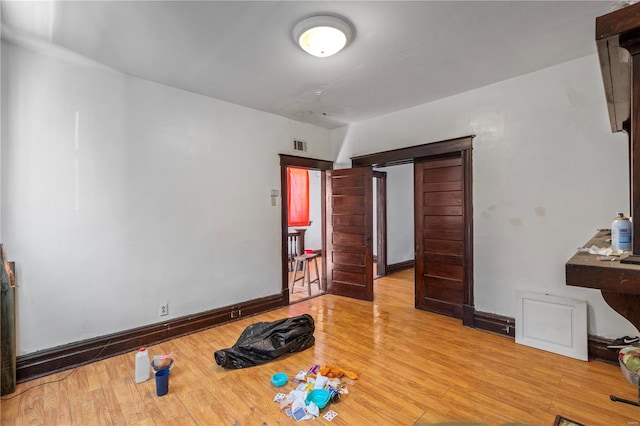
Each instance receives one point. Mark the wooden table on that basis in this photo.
(619, 283)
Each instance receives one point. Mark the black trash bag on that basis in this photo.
(265, 341)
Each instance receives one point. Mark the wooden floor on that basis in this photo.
(413, 366)
(301, 289)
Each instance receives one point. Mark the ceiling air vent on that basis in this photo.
(299, 146)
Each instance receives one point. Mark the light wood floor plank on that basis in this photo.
(413, 366)
(30, 409)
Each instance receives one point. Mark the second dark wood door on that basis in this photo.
(439, 227)
(348, 232)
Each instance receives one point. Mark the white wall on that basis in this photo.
(313, 236)
(547, 172)
(119, 194)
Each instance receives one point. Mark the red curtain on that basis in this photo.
(298, 196)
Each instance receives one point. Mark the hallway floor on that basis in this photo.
(301, 288)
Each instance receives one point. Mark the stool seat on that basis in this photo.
(306, 256)
(304, 260)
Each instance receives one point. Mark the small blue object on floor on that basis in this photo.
(320, 397)
(279, 379)
(162, 382)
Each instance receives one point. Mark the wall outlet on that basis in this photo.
(164, 309)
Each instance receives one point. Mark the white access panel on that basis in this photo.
(552, 323)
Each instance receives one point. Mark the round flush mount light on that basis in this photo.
(322, 35)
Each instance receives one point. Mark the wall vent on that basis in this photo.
(552, 323)
(299, 146)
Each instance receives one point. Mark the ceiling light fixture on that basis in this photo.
(322, 35)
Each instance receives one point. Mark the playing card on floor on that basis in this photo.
(330, 415)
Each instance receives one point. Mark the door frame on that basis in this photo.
(303, 163)
(380, 198)
(463, 145)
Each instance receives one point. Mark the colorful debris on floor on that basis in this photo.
(313, 390)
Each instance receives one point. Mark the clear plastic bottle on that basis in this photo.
(621, 233)
(142, 365)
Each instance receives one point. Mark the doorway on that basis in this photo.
(294, 241)
(443, 223)
(394, 205)
(380, 222)
(347, 208)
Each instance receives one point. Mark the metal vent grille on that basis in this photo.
(299, 146)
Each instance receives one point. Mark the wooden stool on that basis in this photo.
(304, 261)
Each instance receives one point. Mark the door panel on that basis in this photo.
(349, 204)
(442, 210)
(348, 220)
(440, 226)
(351, 183)
(444, 270)
(443, 162)
(448, 198)
(445, 258)
(439, 288)
(443, 246)
(349, 278)
(349, 232)
(348, 238)
(348, 258)
(443, 186)
(443, 174)
(445, 235)
(439, 223)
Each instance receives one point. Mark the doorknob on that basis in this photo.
(367, 240)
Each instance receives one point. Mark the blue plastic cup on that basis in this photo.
(162, 382)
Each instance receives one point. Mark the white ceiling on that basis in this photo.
(403, 53)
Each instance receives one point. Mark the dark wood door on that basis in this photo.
(349, 228)
(439, 229)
